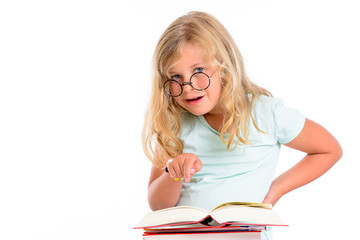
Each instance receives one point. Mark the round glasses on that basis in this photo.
(199, 81)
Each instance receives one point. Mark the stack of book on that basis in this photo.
(233, 220)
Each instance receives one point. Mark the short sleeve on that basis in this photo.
(288, 122)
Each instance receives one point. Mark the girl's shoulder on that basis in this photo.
(271, 114)
(266, 103)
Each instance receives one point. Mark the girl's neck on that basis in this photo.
(217, 116)
(216, 121)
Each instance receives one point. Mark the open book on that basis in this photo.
(227, 214)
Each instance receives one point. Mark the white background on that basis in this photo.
(75, 79)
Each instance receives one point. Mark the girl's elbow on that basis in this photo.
(153, 206)
(157, 205)
(339, 153)
(156, 202)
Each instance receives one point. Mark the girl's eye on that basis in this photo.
(175, 77)
(199, 69)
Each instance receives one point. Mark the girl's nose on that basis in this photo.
(187, 87)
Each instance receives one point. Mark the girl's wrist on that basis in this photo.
(274, 194)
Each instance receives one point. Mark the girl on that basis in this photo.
(209, 125)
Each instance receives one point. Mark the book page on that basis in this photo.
(247, 204)
(248, 215)
(172, 216)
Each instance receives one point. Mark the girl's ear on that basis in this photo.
(221, 75)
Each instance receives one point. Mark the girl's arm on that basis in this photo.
(163, 190)
(323, 151)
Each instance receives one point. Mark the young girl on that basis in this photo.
(217, 134)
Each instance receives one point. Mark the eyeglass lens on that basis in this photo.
(199, 81)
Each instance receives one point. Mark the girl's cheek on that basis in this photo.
(179, 102)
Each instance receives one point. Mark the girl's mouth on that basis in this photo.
(194, 101)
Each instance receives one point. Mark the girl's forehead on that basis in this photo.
(188, 56)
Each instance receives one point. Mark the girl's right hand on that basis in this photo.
(184, 166)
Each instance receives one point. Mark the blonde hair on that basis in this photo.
(163, 118)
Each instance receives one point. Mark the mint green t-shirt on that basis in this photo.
(244, 174)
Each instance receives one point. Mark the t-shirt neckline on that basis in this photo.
(206, 124)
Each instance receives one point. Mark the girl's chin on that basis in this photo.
(197, 112)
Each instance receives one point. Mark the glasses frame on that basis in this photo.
(186, 83)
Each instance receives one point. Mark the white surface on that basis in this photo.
(74, 84)
(210, 236)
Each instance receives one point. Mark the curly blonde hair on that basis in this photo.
(163, 117)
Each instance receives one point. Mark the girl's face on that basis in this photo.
(204, 102)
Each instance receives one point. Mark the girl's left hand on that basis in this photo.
(272, 196)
